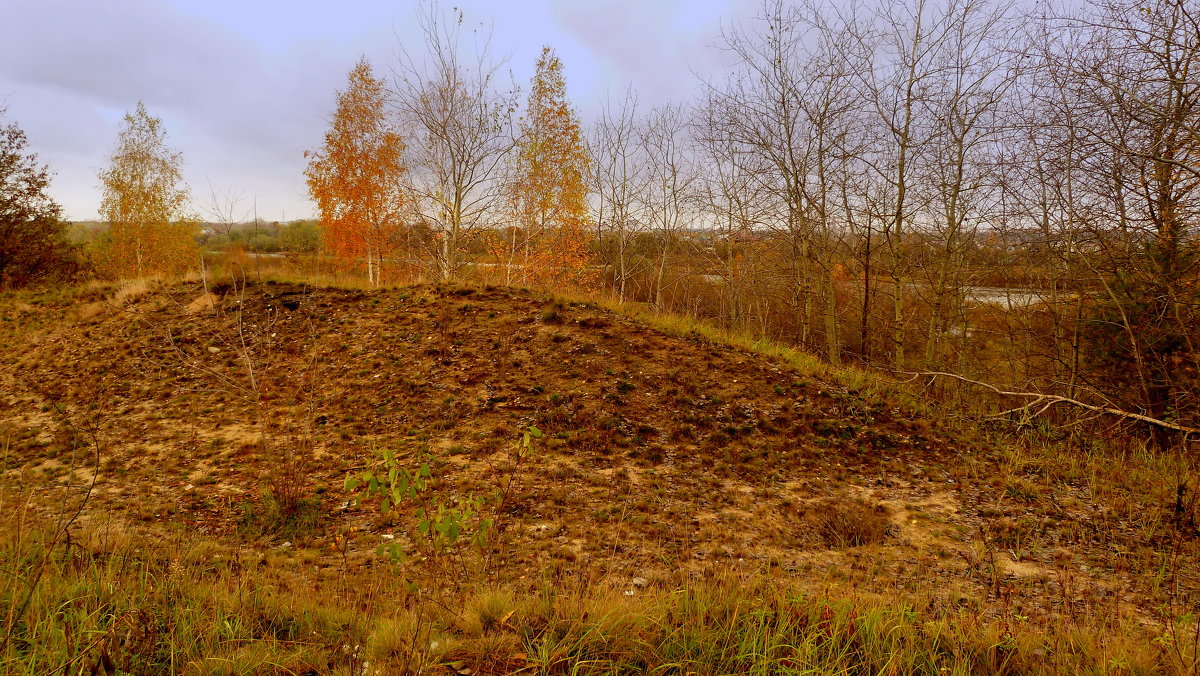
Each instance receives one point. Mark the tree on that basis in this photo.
(1136, 98)
(549, 190)
(899, 89)
(460, 126)
(144, 202)
(735, 203)
(357, 177)
(787, 110)
(620, 180)
(671, 175)
(966, 132)
(32, 243)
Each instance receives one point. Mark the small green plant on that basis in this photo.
(265, 517)
(440, 524)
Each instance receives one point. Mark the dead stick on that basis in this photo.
(1056, 399)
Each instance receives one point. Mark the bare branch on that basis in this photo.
(1039, 397)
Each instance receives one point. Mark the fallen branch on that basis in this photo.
(1051, 399)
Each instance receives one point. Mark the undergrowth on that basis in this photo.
(180, 603)
(190, 606)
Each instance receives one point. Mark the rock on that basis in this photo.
(640, 582)
(214, 350)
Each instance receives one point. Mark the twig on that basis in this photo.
(1050, 399)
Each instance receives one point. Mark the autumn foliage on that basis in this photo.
(356, 177)
(145, 202)
(549, 190)
(33, 244)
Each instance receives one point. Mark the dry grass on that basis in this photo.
(877, 533)
(174, 605)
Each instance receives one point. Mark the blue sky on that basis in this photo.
(245, 86)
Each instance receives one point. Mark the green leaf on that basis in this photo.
(352, 483)
(396, 552)
(385, 505)
(388, 456)
(537, 434)
(425, 473)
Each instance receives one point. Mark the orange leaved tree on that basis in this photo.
(549, 189)
(356, 178)
(144, 202)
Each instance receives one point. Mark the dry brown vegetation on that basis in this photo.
(669, 459)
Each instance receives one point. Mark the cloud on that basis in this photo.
(119, 51)
(653, 45)
(244, 87)
(239, 112)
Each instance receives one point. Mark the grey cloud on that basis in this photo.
(120, 51)
(240, 115)
(648, 44)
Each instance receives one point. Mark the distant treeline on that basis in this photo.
(302, 236)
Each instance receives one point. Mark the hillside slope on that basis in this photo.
(663, 457)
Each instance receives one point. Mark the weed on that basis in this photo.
(844, 523)
(267, 518)
(553, 313)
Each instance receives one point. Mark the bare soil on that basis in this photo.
(663, 457)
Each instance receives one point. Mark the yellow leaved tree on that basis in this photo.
(144, 202)
(356, 178)
(552, 245)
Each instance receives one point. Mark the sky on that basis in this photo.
(245, 86)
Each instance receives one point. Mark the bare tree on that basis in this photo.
(763, 112)
(459, 122)
(619, 179)
(224, 209)
(670, 175)
(734, 205)
(974, 71)
(1131, 72)
(903, 40)
(789, 107)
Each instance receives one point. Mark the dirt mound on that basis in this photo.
(658, 452)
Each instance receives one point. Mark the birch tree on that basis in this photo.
(144, 201)
(357, 177)
(619, 179)
(549, 190)
(459, 123)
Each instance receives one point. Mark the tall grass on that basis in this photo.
(193, 607)
(174, 603)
